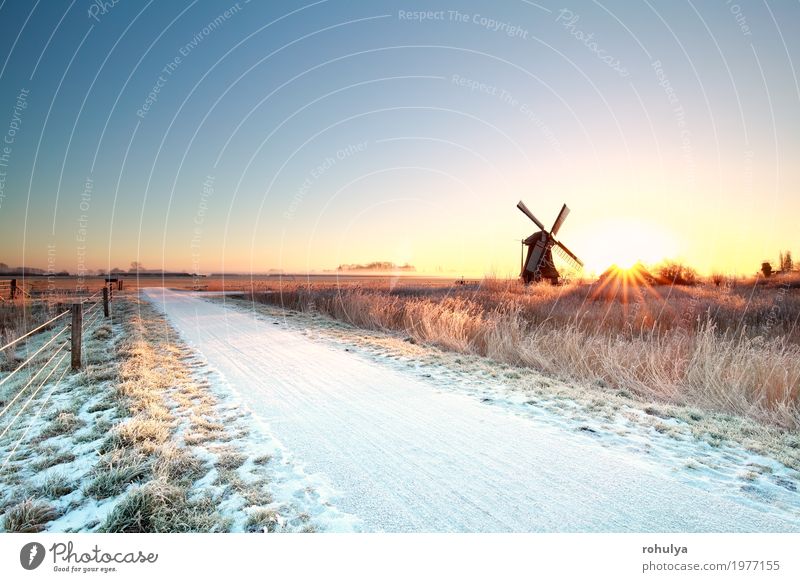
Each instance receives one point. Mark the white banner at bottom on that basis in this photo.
(412, 557)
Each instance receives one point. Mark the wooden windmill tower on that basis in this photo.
(538, 263)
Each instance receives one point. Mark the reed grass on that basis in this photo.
(732, 348)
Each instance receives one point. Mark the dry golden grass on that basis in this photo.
(733, 348)
(142, 431)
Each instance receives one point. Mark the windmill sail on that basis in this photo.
(562, 216)
(569, 253)
(566, 260)
(529, 214)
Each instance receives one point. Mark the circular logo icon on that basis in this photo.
(31, 555)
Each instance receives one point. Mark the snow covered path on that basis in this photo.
(404, 456)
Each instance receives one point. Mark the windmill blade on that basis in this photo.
(570, 253)
(562, 216)
(529, 214)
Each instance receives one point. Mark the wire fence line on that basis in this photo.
(31, 397)
(93, 319)
(34, 330)
(92, 308)
(50, 322)
(47, 368)
(35, 417)
(36, 353)
(30, 381)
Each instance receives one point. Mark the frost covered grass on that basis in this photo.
(140, 461)
(64, 422)
(732, 349)
(28, 516)
(178, 460)
(160, 506)
(262, 519)
(136, 441)
(115, 471)
(48, 452)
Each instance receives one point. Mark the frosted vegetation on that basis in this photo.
(144, 438)
(732, 348)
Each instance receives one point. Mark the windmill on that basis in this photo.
(539, 264)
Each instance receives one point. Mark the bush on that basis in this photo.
(675, 273)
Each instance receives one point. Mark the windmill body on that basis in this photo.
(538, 264)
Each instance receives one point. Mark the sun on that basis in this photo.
(626, 263)
(624, 243)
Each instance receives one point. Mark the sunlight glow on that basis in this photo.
(624, 243)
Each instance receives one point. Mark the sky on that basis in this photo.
(249, 136)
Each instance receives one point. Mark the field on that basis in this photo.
(733, 348)
(730, 347)
(691, 391)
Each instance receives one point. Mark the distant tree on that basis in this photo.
(689, 276)
(766, 269)
(786, 262)
(116, 271)
(136, 266)
(3, 267)
(676, 273)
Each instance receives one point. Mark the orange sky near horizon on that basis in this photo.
(347, 134)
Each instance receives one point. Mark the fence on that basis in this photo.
(9, 290)
(46, 360)
(37, 287)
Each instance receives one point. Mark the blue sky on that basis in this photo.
(301, 135)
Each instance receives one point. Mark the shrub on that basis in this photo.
(675, 273)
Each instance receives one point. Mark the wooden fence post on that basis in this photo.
(77, 325)
(105, 301)
(13, 289)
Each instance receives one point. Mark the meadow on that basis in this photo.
(727, 345)
(140, 429)
(732, 347)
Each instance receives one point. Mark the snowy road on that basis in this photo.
(404, 456)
